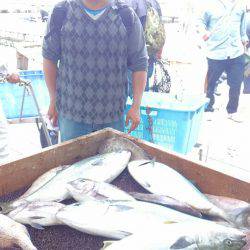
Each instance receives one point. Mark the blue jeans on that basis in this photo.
(235, 76)
(246, 89)
(70, 129)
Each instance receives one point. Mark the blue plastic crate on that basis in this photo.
(170, 123)
(11, 96)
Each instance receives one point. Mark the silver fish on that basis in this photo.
(82, 189)
(119, 143)
(166, 201)
(118, 219)
(182, 236)
(37, 213)
(12, 233)
(238, 210)
(160, 179)
(52, 185)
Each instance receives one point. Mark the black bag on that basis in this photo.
(162, 79)
(54, 135)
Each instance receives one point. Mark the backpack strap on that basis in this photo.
(60, 11)
(57, 18)
(127, 15)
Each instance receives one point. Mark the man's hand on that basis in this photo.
(13, 78)
(246, 45)
(52, 114)
(134, 117)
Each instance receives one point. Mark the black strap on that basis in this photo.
(60, 12)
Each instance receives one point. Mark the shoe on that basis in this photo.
(209, 109)
(235, 117)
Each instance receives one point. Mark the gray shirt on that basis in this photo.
(94, 56)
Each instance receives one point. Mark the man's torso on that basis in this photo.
(92, 82)
(225, 20)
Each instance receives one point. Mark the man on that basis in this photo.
(13, 78)
(222, 26)
(96, 45)
(141, 9)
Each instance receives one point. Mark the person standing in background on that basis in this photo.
(222, 25)
(87, 52)
(141, 9)
(13, 78)
(246, 89)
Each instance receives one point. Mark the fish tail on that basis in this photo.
(106, 244)
(222, 214)
(241, 217)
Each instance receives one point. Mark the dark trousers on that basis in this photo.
(235, 76)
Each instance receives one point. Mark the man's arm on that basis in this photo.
(138, 64)
(243, 29)
(50, 72)
(202, 23)
(51, 55)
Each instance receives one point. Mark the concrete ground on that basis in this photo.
(223, 144)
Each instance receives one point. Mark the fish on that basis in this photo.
(166, 201)
(160, 179)
(119, 143)
(13, 234)
(82, 189)
(118, 219)
(179, 236)
(37, 213)
(238, 210)
(52, 185)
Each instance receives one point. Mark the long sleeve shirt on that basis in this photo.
(226, 20)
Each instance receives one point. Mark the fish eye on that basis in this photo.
(228, 242)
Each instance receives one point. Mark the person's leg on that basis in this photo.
(235, 73)
(215, 70)
(71, 129)
(151, 67)
(246, 89)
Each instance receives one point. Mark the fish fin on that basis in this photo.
(37, 226)
(101, 196)
(121, 208)
(107, 244)
(36, 217)
(98, 162)
(169, 222)
(182, 242)
(124, 233)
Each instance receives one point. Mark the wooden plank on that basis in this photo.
(207, 179)
(21, 173)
